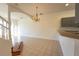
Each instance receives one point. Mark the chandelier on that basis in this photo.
(36, 16)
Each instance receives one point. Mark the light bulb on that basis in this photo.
(67, 4)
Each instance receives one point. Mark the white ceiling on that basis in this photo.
(44, 8)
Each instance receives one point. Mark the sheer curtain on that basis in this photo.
(15, 32)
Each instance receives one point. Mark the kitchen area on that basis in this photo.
(69, 29)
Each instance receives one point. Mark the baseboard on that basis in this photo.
(24, 37)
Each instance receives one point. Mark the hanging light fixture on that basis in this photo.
(36, 16)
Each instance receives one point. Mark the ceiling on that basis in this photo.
(44, 8)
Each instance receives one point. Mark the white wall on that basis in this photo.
(45, 28)
(4, 10)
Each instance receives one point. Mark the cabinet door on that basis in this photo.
(76, 49)
(67, 45)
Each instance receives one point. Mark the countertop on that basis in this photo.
(71, 34)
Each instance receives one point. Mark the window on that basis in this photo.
(4, 28)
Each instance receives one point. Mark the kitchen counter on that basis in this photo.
(71, 34)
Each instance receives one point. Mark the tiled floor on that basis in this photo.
(41, 47)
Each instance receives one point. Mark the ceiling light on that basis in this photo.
(36, 16)
(67, 4)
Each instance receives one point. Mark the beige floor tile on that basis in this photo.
(41, 47)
